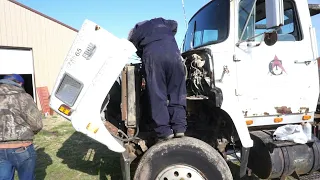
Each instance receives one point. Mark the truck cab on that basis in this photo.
(250, 67)
(266, 80)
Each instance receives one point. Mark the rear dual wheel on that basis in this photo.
(182, 158)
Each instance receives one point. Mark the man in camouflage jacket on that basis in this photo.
(20, 120)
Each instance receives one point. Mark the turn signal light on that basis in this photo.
(306, 117)
(278, 120)
(92, 128)
(249, 122)
(65, 110)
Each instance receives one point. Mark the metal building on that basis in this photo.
(32, 44)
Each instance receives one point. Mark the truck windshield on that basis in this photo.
(257, 22)
(210, 25)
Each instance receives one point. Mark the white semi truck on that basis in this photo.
(250, 68)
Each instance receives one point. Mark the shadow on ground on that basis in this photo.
(83, 154)
(43, 161)
(235, 170)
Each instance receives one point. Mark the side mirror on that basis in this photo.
(274, 13)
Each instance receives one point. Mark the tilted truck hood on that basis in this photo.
(92, 65)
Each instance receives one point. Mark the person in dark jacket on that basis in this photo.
(20, 120)
(165, 76)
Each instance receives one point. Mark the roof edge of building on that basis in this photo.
(43, 15)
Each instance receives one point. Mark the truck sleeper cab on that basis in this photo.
(246, 73)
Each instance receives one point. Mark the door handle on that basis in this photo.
(303, 62)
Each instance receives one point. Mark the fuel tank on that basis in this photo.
(273, 159)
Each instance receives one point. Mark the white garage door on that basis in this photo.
(19, 61)
(16, 61)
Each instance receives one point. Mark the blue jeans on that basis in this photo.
(21, 159)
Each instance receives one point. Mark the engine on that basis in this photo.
(197, 76)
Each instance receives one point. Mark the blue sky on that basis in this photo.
(116, 16)
(119, 16)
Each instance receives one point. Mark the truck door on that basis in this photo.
(277, 79)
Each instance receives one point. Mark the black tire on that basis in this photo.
(183, 151)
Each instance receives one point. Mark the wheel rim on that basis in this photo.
(180, 172)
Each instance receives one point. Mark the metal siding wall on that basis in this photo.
(49, 40)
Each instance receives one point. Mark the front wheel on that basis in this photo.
(182, 158)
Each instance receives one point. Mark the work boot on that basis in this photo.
(161, 139)
(178, 135)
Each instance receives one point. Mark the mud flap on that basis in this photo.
(244, 161)
(125, 166)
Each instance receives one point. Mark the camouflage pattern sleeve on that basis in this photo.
(31, 112)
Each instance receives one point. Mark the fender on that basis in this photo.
(231, 106)
(228, 102)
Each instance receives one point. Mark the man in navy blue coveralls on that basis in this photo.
(165, 76)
